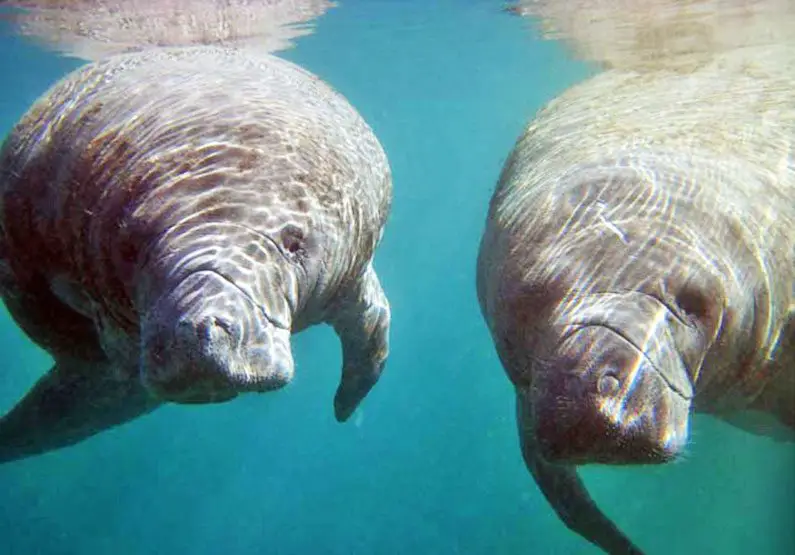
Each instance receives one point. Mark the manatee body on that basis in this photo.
(168, 219)
(637, 265)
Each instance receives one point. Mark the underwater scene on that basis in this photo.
(385, 277)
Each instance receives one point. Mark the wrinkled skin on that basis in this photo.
(169, 219)
(639, 267)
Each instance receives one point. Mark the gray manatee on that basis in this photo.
(168, 218)
(637, 265)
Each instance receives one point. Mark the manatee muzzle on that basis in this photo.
(207, 341)
(616, 390)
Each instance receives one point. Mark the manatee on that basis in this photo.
(637, 262)
(89, 30)
(168, 219)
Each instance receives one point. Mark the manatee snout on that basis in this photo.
(206, 341)
(611, 395)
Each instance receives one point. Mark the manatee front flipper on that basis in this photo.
(565, 491)
(73, 401)
(361, 321)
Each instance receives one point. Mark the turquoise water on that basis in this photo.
(431, 463)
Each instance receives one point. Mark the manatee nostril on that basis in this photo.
(207, 328)
(608, 384)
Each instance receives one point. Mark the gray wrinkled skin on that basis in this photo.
(637, 265)
(169, 219)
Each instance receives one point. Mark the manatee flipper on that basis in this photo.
(73, 401)
(565, 491)
(362, 324)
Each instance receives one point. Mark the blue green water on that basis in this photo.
(431, 463)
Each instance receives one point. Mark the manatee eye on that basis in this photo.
(224, 324)
(694, 303)
(293, 239)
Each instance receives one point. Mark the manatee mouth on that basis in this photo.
(606, 398)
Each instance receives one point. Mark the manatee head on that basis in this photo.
(608, 325)
(218, 320)
(615, 388)
(611, 372)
